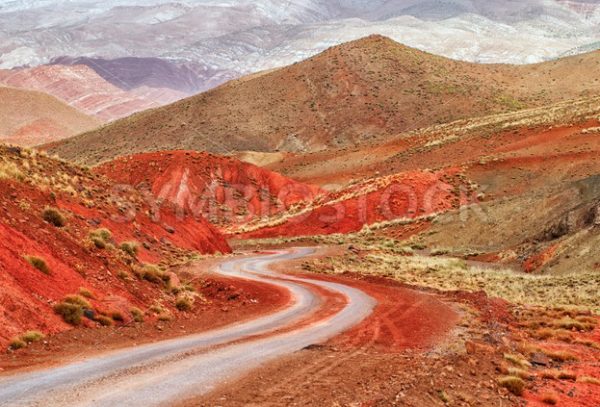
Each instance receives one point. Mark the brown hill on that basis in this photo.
(65, 231)
(349, 95)
(30, 118)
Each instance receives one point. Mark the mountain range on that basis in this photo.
(242, 37)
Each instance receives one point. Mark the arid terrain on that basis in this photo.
(372, 226)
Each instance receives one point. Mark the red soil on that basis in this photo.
(571, 393)
(223, 189)
(229, 301)
(538, 260)
(74, 262)
(403, 318)
(404, 195)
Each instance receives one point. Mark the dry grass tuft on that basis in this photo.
(72, 308)
(518, 360)
(514, 384)
(588, 380)
(137, 314)
(131, 248)
(38, 263)
(549, 398)
(54, 217)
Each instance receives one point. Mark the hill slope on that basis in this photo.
(29, 118)
(85, 90)
(347, 96)
(222, 189)
(62, 231)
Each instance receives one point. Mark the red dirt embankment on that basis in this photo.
(30, 183)
(223, 189)
(405, 195)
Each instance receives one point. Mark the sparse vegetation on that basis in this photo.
(152, 273)
(514, 384)
(549, 398)
(589, 380)
(451, 274)
(84, 292)
(17, 344)
(72, 308)
(131, 248)
(104, 320)
(101, 238)
(32, 336)
(117, 316)
(518, 360)
(54, 217)
(38, 263)
(137, 314)
(184, 302)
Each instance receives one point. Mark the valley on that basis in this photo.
(373, 224)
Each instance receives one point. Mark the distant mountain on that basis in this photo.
(30, 118)
(82, 88)
(210, 41)
(350, 95)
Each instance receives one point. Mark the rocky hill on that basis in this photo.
(348, 96)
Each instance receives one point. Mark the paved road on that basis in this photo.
(161, 373)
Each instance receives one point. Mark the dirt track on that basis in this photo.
(160, 373)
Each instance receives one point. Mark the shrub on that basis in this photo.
(565, 375)
(137, 314)
(514, 384)
(589, 380)
(84, 292)
(550, 374)
(131, 248)
(550, 399)
(117, 316)
(54, 217)
(517, 360)
(104, 320)
(123, 275)
(184, 302)
(151, 273)
(164, 317)
(101, 237)
(523, 374)
(16, 344)
(561, 356)
(32, 336)
(71, 309)
(38, 263)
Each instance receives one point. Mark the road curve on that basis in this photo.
(161, 373)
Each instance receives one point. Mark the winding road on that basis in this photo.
(165, 372)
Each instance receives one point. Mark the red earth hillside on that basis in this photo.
(393, 198)
(62, 231)
(223, 189)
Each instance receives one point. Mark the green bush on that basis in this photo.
(54, 217)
